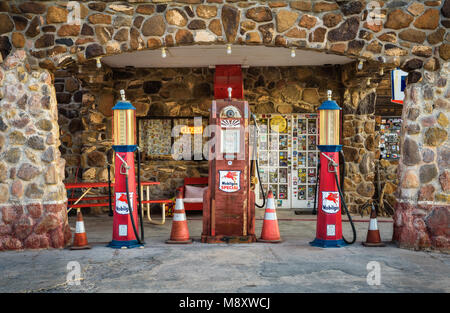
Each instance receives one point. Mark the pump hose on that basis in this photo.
(141, 218)
(257, 168)
(345, 207)
(130, 211)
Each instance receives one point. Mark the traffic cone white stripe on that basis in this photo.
(79, 227)
(373, 225)
(270, 203)
(270, 216)
(178, 217)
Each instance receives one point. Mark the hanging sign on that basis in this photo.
(229, 181)
(398, 84)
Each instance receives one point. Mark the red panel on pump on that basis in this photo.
(228, 76)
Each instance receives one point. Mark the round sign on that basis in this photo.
(278, 124)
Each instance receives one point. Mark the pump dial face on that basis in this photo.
(230, 111)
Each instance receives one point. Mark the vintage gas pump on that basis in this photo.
(229, 202)
(329, 222)
(125, 232)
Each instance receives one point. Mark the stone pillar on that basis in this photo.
(32, 194)
(359, 140)
(422, 214)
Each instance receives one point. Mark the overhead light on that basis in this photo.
(292, 53)
(229, 49)
(368, 81)
(163, 53)
(360, 65)
(381, 71)
(99, 63)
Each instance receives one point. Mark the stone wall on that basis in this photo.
(32, 196)
(69, 96)
(423, 213)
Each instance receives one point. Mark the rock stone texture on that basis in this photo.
(423, 210)
(32, 207)
(107, 27)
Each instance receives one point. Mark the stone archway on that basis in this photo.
(40, 37)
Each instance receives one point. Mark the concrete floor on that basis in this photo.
(292, 266)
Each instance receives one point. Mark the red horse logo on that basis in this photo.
(332, 197)
(123, 198)
(231, 175)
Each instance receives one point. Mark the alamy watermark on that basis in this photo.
(73, 277)
(373, 278)
(374, 17)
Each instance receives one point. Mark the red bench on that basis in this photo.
(197, 182)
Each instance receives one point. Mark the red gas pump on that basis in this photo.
(329, 222)
(229, 202)
(125, 232)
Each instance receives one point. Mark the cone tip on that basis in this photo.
(270, 194)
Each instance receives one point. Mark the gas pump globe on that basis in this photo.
(124, 122)
(329, 122)
(125, 232)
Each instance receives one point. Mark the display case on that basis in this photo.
(287, 155)
(389, 128)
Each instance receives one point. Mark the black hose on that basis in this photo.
(316, 191)
(111, 213)
(257, 168)
(346, 211)
(261, 188)
(130, 211)
(141, 219)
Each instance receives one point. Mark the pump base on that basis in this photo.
(327, 243)
(228, 239)
(129, 244)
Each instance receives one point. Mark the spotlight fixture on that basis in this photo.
(163, 53)
(229, 49)
(360, 65)
(381, 71)
(292, 53)
(99, 63)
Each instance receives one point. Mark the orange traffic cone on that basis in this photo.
(80, 239)
(270, 231)
(180, 231)
(373, 234)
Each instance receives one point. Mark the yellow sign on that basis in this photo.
(278, 124)
(192, 130)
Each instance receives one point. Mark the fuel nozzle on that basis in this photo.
(229, 92)
(122, 95)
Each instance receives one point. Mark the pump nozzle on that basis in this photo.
(229, 92)
(122, 94)
(329, 93)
